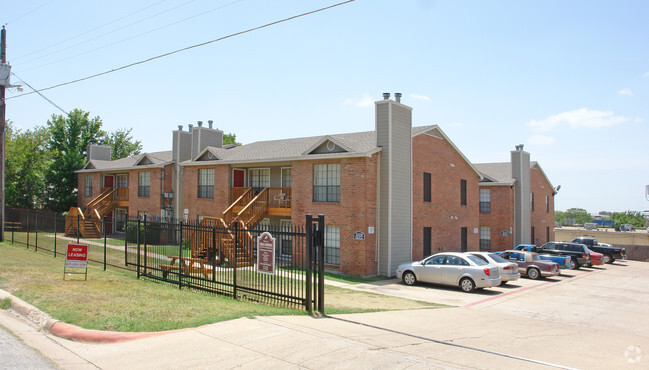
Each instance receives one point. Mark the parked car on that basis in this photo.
(610, 252)
(562, 261)
(451, 268)
(531, 264)
(595, 258)
(578, 253)
(508, 270)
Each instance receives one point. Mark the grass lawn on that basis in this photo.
(116, 300)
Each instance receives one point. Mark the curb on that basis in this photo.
(43, 321)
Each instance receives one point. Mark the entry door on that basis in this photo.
(427, 237)
(463, 239)
(238, 178)
(285, 241)
(109, 181)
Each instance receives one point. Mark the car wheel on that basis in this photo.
(608, 258)
(503, 282)
(409, 278)
(533, 273)
(588, 265)
(467, 285)
(573, 264)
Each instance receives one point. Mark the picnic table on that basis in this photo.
(189, 265)
(13, 226)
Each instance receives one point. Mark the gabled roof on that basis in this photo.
(155, 159)
(500, 173)
(437, 132)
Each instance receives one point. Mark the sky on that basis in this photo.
(568, 79)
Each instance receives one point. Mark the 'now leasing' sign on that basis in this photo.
(76, 256)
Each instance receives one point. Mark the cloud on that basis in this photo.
(540, 140)
(363, 102)
(580, 118)
(419, 97)
(626, 91)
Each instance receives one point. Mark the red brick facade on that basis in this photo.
(542, 216)
(500, 218)
(206, 206)
(443, 214)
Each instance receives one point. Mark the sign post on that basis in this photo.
(266, 253)
(76, 256)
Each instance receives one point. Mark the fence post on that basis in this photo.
(103, 227)
(126, 241)
(137, 238)
(36, 231)
(78, 227)
(307, 276)
(321, 255)
(180, 254)
(234, 271)
(54, 234)
(29, 214)
(214, 253)
(145, 249)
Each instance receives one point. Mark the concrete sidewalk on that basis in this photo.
(441, 338)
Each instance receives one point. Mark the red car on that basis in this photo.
(595, 258)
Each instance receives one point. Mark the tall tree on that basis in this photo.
(27, 160)
(70, 136)
(122, 144)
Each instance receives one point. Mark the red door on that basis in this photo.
(238, 178)
(108, 181)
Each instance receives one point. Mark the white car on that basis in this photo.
(508, 270)
(450, 268)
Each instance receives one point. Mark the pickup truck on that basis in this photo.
(562, 261)
(610, 252)
(578, 253)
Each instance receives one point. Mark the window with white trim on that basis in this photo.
(485, 238)
(143, 184)
(326, 182)
(485, 200)
(259, 178)
(332, 245)
(206, 183)
(88, 186)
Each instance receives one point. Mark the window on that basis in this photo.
(426, 187)
(427, 239)
(532, 241)
(259, 179)
(485, 200)
(143, 184)
(547, 204)
(122, 181)
(142, 214)
(286, 177)
(88, 186)
(532, 203)
(206, 183)
(326, 183)
(463, 192)
(120, 219)
(485, 238)
(463, 239)
(332, 245)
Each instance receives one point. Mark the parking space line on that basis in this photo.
(505, 294)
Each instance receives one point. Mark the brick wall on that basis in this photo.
(82, 200)
(443, 214)
(153, 202)
(500, 218)
(356, 210)
(207, 206)
(540, 218)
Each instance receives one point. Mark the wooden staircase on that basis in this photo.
(89, 222)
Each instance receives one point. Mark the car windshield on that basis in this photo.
(496, 257)
(476, 260)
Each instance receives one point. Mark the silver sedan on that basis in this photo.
(450, 268)
(508, 270)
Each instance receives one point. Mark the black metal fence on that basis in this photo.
(204, 255)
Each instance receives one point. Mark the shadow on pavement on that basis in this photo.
(486, 292)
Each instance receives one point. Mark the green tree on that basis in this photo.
(230, 139)
(27, 159)
(634, 218)
(69, 138)
(580, 215)
(122, 144)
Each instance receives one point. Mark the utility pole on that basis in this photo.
(3, 59)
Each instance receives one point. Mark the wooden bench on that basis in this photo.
(189, 266)
(13, 226)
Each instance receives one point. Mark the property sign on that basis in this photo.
(76, 256)
(359, 235)
(266, 253)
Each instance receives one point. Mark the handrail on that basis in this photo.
(241, 200)
(101, 197)
(257, 206)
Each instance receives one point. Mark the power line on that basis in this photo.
(42, 96)
(91, 30)
(129, 38)
(29, 12)
(188, 48)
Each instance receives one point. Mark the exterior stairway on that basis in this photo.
(88, 223)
